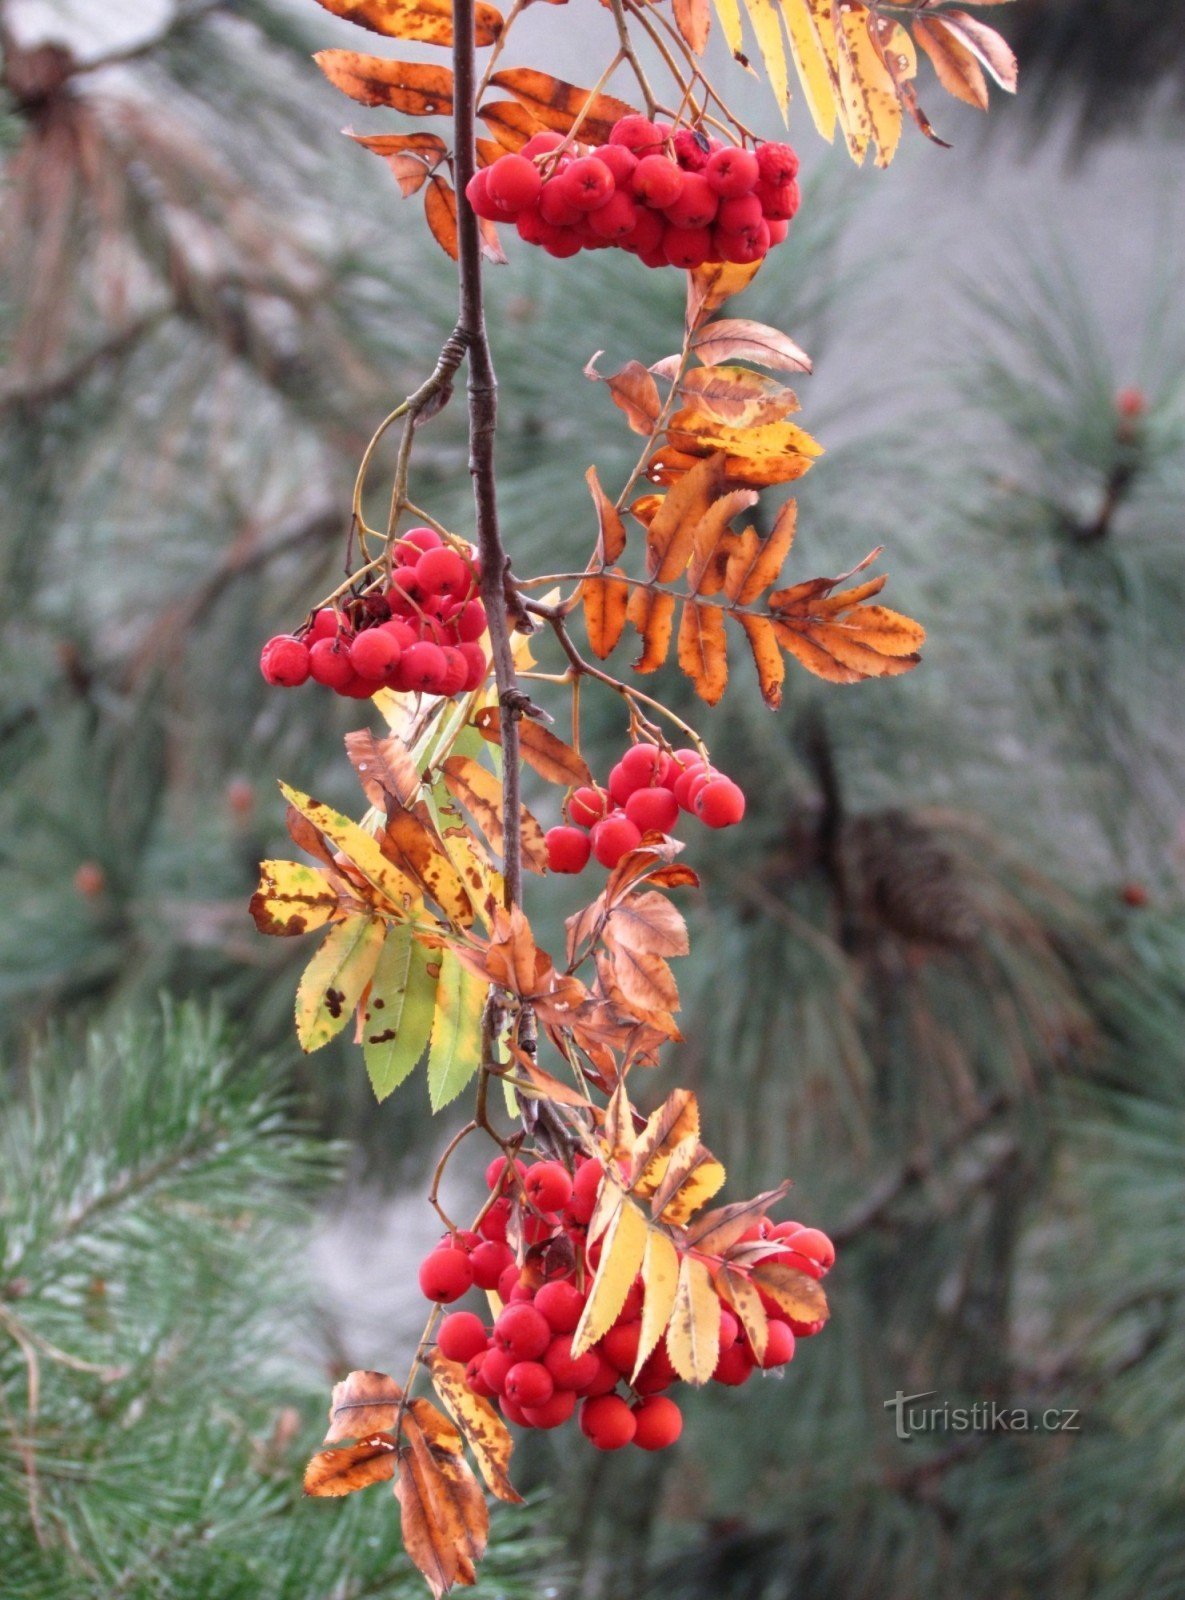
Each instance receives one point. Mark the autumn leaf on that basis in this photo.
(634, 392)
(418, 850)
(986, 44)
(610, 527)
(767, 657)
(445, 1519)
(739, 339)
(870, 106)
(660, 1278)
(385, 769)
(556, 104)
(511, 124)
(623, 1246)
(670, 537)
(332, 1473)
(429, 21)
(454, 1050)
(392, 891)
(334, 979)
(652, 612)
(708, 287)
(543, 750)
(737, 396)
(292, 899)
(763, 14)
(714, 1232)
(729, 12)
(416, 88)
(693, 18)
(813, 49)
(956, 65)
(397, 1011)
(703, 650)
(714, 540)
(693, 1337)
(737, 1290)
(756, 458)
(484, 1431)
(648, 921)
(605, 598)
(362, 1404)
(477, 789)
(440, 209)
(800, 1296)
(756, 563)
(691, 1179)
(410, 156)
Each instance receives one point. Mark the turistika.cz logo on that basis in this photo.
(982, 1416)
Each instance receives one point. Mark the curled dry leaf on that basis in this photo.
(955, 64)
(410, 156)
(708, 287)
(739, 339)
(610, 527)
(634, 391)
(445, 1518)
(333, 1473)
(292, 899)
(362, 1404)
(652, 612)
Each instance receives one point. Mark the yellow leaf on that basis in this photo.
(737, 1291)
(870, 107)
(397, 1012)
(692, 1178)
(763, 14)
(737, 395)
(394, 893)
(815, 62)
(428, 21)
(623, 1245)
(709, 286)
(292, 899)
(693, 1337)
(454, 1050)
(660, 1274)
(480, 792)
(419, 851)
(729, 12)
(757, 458)
(485, 1432)
(334, 979)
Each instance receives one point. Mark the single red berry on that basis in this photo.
(637, 133)
(324, 625)
(696, 206)
(621, 161)
(732, 172)
(656, 1374)
(500, 1173)
(1131, 404)
(458, 670)
(375, 653)
(553, 1413)
(461, 1336)
(443, 571)
(642, 764)
(568, 849)
(474, 1379)
(735, 1366)
(556, 209)
(284, 661)
(479, 665)
(446, 1275)
(720, 803)
(778, 229)
(513, 182)
(780, 202)
(569, 1371)
(658, 1422)
(542, 144)
(655, 809)
(406, 591)
(477, 192)
(415, 541)
(495, 1365)
(585, 1186)
(587, 183)
(692, 149)
(621, 785)
(742, 248)
(607, 1421)
(522, 1332)
(561, 1303)
(528, 1383)
(779, 1345)
(508, 1280)
(686, 248)
(512, 1412)
(471, 622)
(815, 1245)
(615, 219)
(493, 1224)
(657, 182)
(806, 1330)
(489, 1261)
(742, 215)
(777, 163)
(587, 806)
(620, 1345)
(606, 1380)
(329, 663)
(615, 837)
(423, 667)
(548, 1183)
(646, 236)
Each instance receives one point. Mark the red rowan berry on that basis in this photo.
(489, 1261)
(568, 849)
(474, 1379)
(778, 202)
(471, 622)
(720, 803)
(561, 1303)
(615, 837)
(417, 540)
(528, 1383)
(620, 1345)
(657, 182)
(461, 1336)
(444, 572)
(735, 1366)
(556, 209)
(657, 1372)
(522, 1331)
(329, 663)
(587, 183)
(565, 242)
(779, 1345)
(642, 764)
(742, 248)
(607, 1421)
(479, 665)
(477, 192)
(777, 163)
(732, 172)
(374, 653)
(569, 1371)
(423, 667)
(621, 161)
(512, 1412)
(692, 149)
(686, 247)
(445, 1275)
(548, 1183)
(507, 1280)
(458, 670)
(683, 783)
(652, 809)
(584, 1192)
(742, 215)
(730, 1329)
(647, 234)
(323, 626)
(406, 590)
(587, 806)
(495, 1365)
(631, 1308)
(696, 206)
(500, 1173)
(542, 144)
(493, 1224)
(778, 229)
(814, 1245)
(637, 133)
(606, 1380)
(513, 182)
(284, 661)
(553, 1413)
(658, 1422)
(615, 219)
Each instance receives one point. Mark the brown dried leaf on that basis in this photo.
(634, 391)
(551, 758)
(440, 208)
(511, 124)
(385, 769)
(671, 535)
(557, 104)
(652, 612)
(414, 87)
(645, 979)
(417, 849)
(958, 71)
(767, 657)
(993, 51)
(703, 650)
(484, 1430)
(410, 156)
(693, 18)
(611, 529)
(757, 562)
(716, 1230)
(708, 287)
(445, 1519)
(480, 792)
(362, 1404)
(648, 922)
(796, 1293)
(714, 540)
(738, 396)
(739, 339)
(605, 598)
(333, 1473)
(737, 1290)
(429, 21)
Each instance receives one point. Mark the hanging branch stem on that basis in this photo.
(483, 414)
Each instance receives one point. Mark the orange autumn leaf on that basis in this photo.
(511, 124)
(757, 458)
(333, 1473)
(362, 1404)
(703, 650)
(738, 339)
(693, 18)
(416, 88)
(445, 1518)
(671, 534)
(557, 104)
(543, 750)
(410, 156)
(428, 21)
(605, 598)
(756, 563)
(708, 287)
(610, 527)
(767, 657)
(737, 396)
(485, 1432)
(652, 612)
(956, 66)
(634, 392)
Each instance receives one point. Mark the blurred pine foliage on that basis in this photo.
(938, 975)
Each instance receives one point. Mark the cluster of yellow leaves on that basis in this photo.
(658, 1176)
(856, 67)
(727, 437)
(444, 1512)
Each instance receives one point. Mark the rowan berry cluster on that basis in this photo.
(524, 1360)
(647, 789)
(672, 198)
(420, 633)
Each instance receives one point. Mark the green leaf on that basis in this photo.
(455, 1050)
(397, 1017)
(334, 979)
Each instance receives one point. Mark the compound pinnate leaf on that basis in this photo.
(292, 899)
(454, 1049)
(397, 1011)
(416, 88)
(332, 983)
(484, 1431)
(427, 21)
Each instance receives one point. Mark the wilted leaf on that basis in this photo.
(715, 1231)
(410, 156)
(550, 757)
(332, 1473)
(623, 1246)
(334, 979)
(511, 124)
(362, 1404)
(445, 1518)
(397, 1012)
(557, 104)
(611, 529)
(693, 18)
(605, 598)
(429, 21)
(693, 1337)
(644, 978)
(413, 87)
(454, 1050)
(480, 792)
(385, 769)
(292, 899)
(418, 850)
(652, 612)
(739, 339)
(703, 650)
(957, 68)
(800, 1296)
(648, 921)
(440, 208)
(634, 391)
(670, 537)
(660, 1275)
(485, 1432)
(767, 657)
(391, 888)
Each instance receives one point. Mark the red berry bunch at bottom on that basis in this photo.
(421, 633)
(647, 790)
(673, 199)
(524, 1360)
